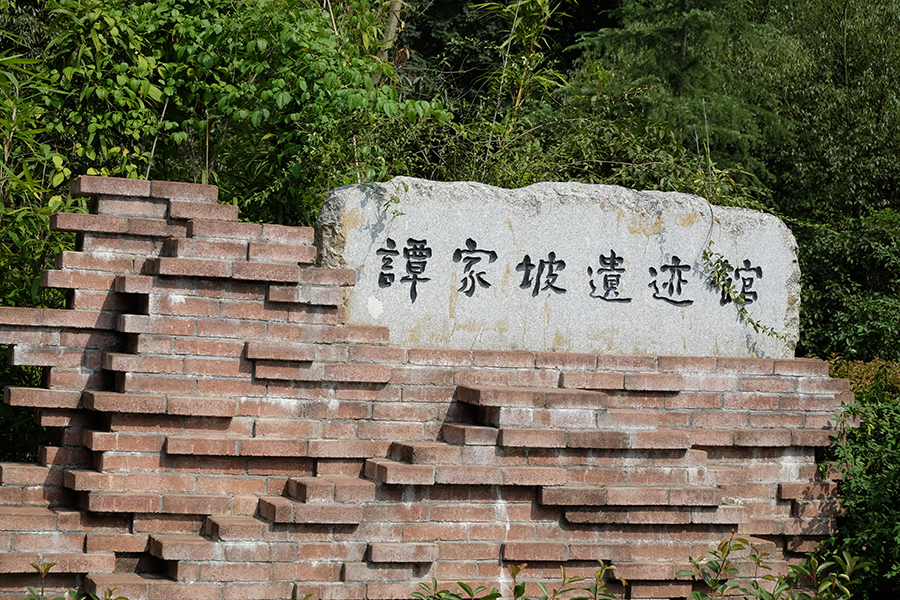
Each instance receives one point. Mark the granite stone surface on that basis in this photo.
(562, 267)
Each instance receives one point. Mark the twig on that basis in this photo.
(156, 137)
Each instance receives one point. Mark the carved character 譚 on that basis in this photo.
(385, 277)
(546, 269)
(416, 254)
(470, 258)
(672, 288)
(611, 279)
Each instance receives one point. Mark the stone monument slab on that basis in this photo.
(562, 267)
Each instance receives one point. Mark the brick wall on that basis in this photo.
(223, 435)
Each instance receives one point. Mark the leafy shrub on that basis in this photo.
(868, 458)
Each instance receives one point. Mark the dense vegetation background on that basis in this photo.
(787, 107)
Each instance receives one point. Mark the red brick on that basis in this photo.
(248, 271)
(134, 503)
(93, 185)
(282, 234)
(807, 490)
(20, 316)
(204, 347)
(762, 437)
(745, 366)
(352, 489)
(565, 361)
(812, 437)
(97, 541)
(40, 398)
(766, 420)
(377, 354)
(93, 223)
(801, 366)
(327, 276)
(469, 435)
(273, 447)
(83, 480)
(686, 364)
(357, 373)
(199, 228)
(204, 446)
(593, 381)
(599, 439)
(360, 334)
(29, 474)
(87, 261)
(662, 439)
(156, 325)
(196, 504)
(816, 385)
(638, 496)
(230, 328)
(768, 384)
(45, 356)
(286, 253)
(191, 267)
(156, 228)
(534, 476)
(573, 496)
(202, 210)
(425, 453)
(388, 471)
(200, 406)
(134, 284)
(281, 351)
(512, 437)
(467, 475)
(198, 192)
(653, 382)
(159, 482)
(406, 552)
(535, 551)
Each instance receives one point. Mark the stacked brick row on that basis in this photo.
(224, 435)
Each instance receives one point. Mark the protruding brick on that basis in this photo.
(294, 351)
(190, 267)
(807, 490)
(593, 381)
(654, 382)
(202, 210)
(93, 185)
(534, 476)
(196, 192)
(224, 229)
(134, 284)
(469, 435)
(126, 403)
(40, 398)
(92, 223)
(258, 271)
(389, 471)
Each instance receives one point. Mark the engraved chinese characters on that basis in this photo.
(561, 267)
(672, 282)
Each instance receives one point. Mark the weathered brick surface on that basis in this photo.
(217, 414)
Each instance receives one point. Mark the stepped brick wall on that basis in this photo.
(223, 435)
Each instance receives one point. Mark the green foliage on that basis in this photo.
(44, 569)
(868, 458)
(594, 589)
(813, 580)
(719, 271)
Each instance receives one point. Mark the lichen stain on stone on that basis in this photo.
(454, 295)
(686, 220)
(560, 342)
(352, 219)
(639, 226)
